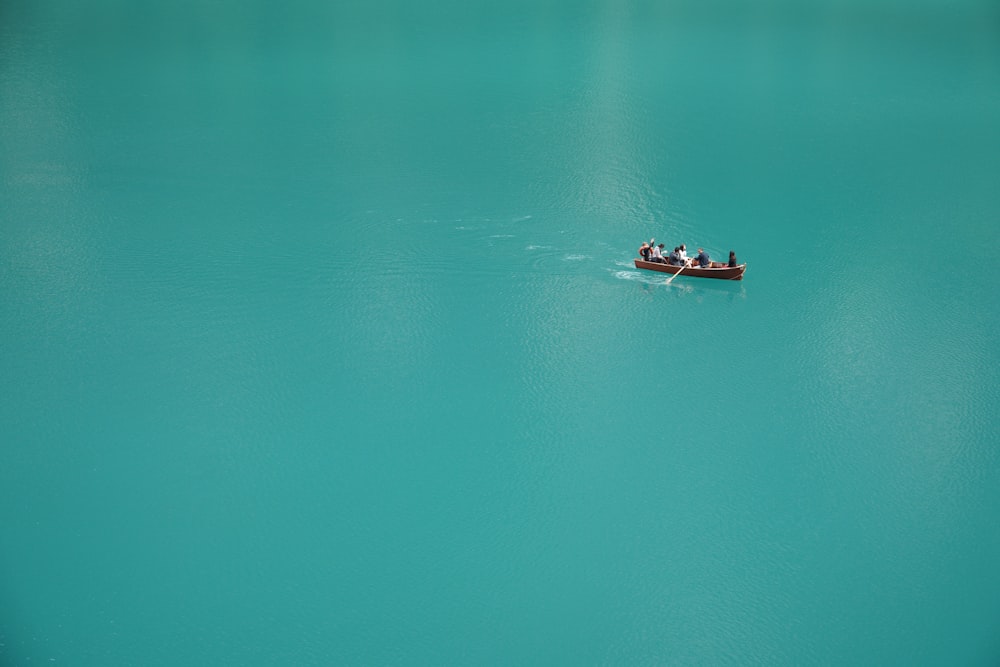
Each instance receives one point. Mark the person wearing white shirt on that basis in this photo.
(682, 255)
(658, 254)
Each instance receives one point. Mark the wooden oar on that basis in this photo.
(671, 278)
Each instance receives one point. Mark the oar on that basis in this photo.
(671, 278)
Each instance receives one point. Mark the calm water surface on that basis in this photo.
(320, 341)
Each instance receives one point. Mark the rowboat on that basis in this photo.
(725, 273)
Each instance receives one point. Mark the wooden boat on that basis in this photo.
(725, 273)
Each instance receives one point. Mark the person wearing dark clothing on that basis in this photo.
(644, 251)
(732, 259)
(703, 259)
(674, 258)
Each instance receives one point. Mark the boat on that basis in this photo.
(724, 273)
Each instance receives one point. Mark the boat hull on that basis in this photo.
(725, 273)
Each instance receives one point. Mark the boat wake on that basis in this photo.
(635, 276)
(645, 279)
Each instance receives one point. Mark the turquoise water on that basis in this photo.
(320, 341)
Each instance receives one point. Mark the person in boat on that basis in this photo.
(705, 262)
(732, 259)
(682, 254)
(644, 251)
(657, 255)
